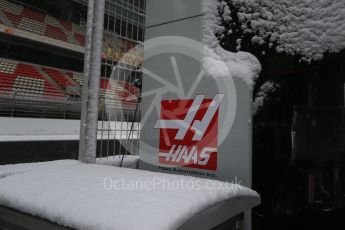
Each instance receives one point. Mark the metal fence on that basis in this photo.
(14, 104)
(119, 103)
(123, 30)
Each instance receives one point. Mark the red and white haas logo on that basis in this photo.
(189, 132)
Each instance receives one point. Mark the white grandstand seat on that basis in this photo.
(11, 7)
(33, 21)
(32, 26)
(77, 77)
(7, 66)
(28, 86)
(36, 79)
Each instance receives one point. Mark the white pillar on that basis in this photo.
(85, 86)
(89, 154)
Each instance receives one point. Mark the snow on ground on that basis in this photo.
(88, 196)
(306, 27)
(218, 62)
(129, 161)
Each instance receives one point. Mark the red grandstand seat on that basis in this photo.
(7, 81)
(131, 88)
(80, 38)
(25, 80)
(33, 15)
(27, 70)
(13, 18)
(67, 25)
(59, 77)
(103, 83)
(55, 32)
(103, 87)
(130, 45)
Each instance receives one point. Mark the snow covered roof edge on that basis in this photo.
(242, 65)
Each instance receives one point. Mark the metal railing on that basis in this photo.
(15, 104)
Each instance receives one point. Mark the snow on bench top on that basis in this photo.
(129, 161)
(90, 196)
(7, 170)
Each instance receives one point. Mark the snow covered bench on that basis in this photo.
(84, 196)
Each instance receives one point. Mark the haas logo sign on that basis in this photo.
(189, 132)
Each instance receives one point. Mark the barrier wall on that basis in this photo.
(35, 129)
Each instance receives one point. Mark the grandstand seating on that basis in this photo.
(37, 22)
(80, 38)
(67, 25)
(27, 19)
(7, 77)
(33, 15)
(25, 79)
(10, 7)
(113, 92)
(131, 89)
(77, 77)
(27, 86)
(56, 32)
(59, 77)
(12, 17)
(47, 85)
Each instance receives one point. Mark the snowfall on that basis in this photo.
(104, 196)
(96, 196)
